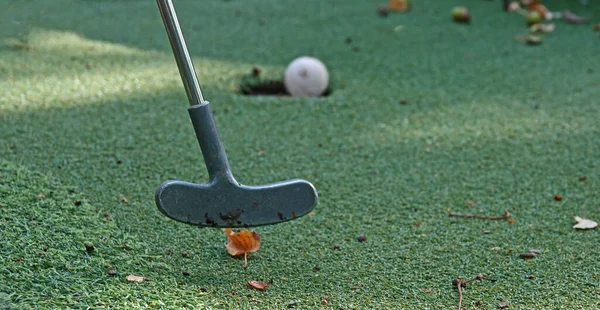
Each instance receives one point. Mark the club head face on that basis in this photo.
(226, 203)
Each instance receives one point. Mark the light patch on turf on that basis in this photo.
(472, 123)
(48, 69)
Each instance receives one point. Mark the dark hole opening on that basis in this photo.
(270, 88)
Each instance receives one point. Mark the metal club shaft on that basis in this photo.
(180, 51)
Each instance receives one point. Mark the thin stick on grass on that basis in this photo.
(483, 217)
(460, 283)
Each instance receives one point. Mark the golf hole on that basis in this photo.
(270, 88)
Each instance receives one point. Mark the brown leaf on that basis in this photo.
(470, 203)
(503, 305)
(134, 278)
(89, 247)
(527, 255)
(259, 285)
(240, 243)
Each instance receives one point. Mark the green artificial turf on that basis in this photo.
(93, 118)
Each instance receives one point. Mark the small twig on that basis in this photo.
(483, 217)
(459, 295)
(460, 283)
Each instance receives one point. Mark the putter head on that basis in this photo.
(225, 203)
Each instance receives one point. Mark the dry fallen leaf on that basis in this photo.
(134, 278)
(503, 305)
(572, 18)
(584, 223)
(398, 5)
(259, 285)
(542, 28)
(540, 8)
(529, 39)
(513, 6)
(240, 243)
(527, 255)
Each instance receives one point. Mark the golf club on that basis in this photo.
(222, 201)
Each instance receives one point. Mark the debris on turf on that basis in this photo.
(460, 283)
(134, 278)
(89, 247)
(584, 223)
(542, 28)
(572, 18)
(259, 285)
(483, 217)
(400, 6)
(240, 243)
(461, 15)
(383, 11)
(539, 8)
(533, 17)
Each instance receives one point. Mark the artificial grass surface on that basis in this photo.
(92, 108)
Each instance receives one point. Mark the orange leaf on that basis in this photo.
(398, 5)
(258, 285)
(540, 8)
(240, 243)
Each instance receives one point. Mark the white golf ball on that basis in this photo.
(306, 77)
